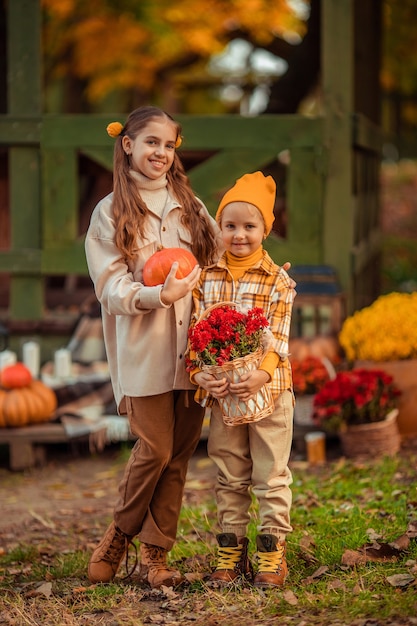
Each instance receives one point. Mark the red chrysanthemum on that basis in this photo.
(226, 334)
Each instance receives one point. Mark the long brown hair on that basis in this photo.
(129, 210)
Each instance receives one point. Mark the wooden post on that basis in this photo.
(24, 100)
(337, 81)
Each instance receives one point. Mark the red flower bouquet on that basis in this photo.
(309, 375)
(226, 334)
(358, 396)
(228, 343)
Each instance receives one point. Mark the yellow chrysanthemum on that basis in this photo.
(114, 129)
(384, 331)
(178, 142)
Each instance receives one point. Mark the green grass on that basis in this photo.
(335, 508)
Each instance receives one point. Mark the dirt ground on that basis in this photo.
(75, 482)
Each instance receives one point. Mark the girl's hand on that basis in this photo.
(176, 288)
(216, 388)
(286, 267)
(249, 384)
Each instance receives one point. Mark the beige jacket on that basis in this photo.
(145, 340)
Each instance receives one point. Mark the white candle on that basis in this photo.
(62, 362)
(31, 357)
(7, 357)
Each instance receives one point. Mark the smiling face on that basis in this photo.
(152, 151)
(242, 228)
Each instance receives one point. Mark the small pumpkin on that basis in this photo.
(325, 347)
(158, 266)
(320, 347)
(15, 376)
(299, 348)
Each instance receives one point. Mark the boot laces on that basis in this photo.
(119, 545)
(228, 558)
(155, 558)
(271, 562)
(115, 547)
(129, 572)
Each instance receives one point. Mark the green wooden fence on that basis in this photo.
(331, 178)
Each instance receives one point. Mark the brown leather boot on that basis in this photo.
(154, 569)
(272, 565)
(106, 558)
(232, 560)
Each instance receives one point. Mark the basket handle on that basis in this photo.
(211, 308)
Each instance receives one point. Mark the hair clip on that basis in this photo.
(114, 129)
(178, 142)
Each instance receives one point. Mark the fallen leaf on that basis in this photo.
(169, 592)
(45, 589)
(400, 580)
(377, 552)
(401, 544)
(372, 535)
(155, 618)
(307, 545)
(290, 597)
(412, 529)
(320, 571)
(336, 584)
(192, 577)
(317, 574)
(307, 542)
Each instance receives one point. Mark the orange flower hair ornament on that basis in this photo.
(114, 129)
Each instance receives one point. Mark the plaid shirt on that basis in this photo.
(265, 285)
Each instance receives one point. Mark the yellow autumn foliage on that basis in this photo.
(129, 44)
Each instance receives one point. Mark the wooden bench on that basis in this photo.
(27, 445)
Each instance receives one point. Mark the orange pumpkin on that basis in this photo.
(158, 266)
(32, 404)
(15, 408)
(14, 376)
(321, 347)
(48, 397)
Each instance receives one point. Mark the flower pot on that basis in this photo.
(404, 374)
(372, 440)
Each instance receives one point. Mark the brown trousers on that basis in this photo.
(168, 428)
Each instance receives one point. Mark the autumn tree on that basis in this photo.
(130, 49)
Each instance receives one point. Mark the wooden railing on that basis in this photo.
(327, 170)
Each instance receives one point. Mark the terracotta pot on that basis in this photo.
(372, 440)
(404, 374)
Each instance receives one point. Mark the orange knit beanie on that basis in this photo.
(256, 189)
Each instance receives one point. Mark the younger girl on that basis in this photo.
(251, 457)
(145, 332)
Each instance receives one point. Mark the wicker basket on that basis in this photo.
(372, 440)
(234, 410)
